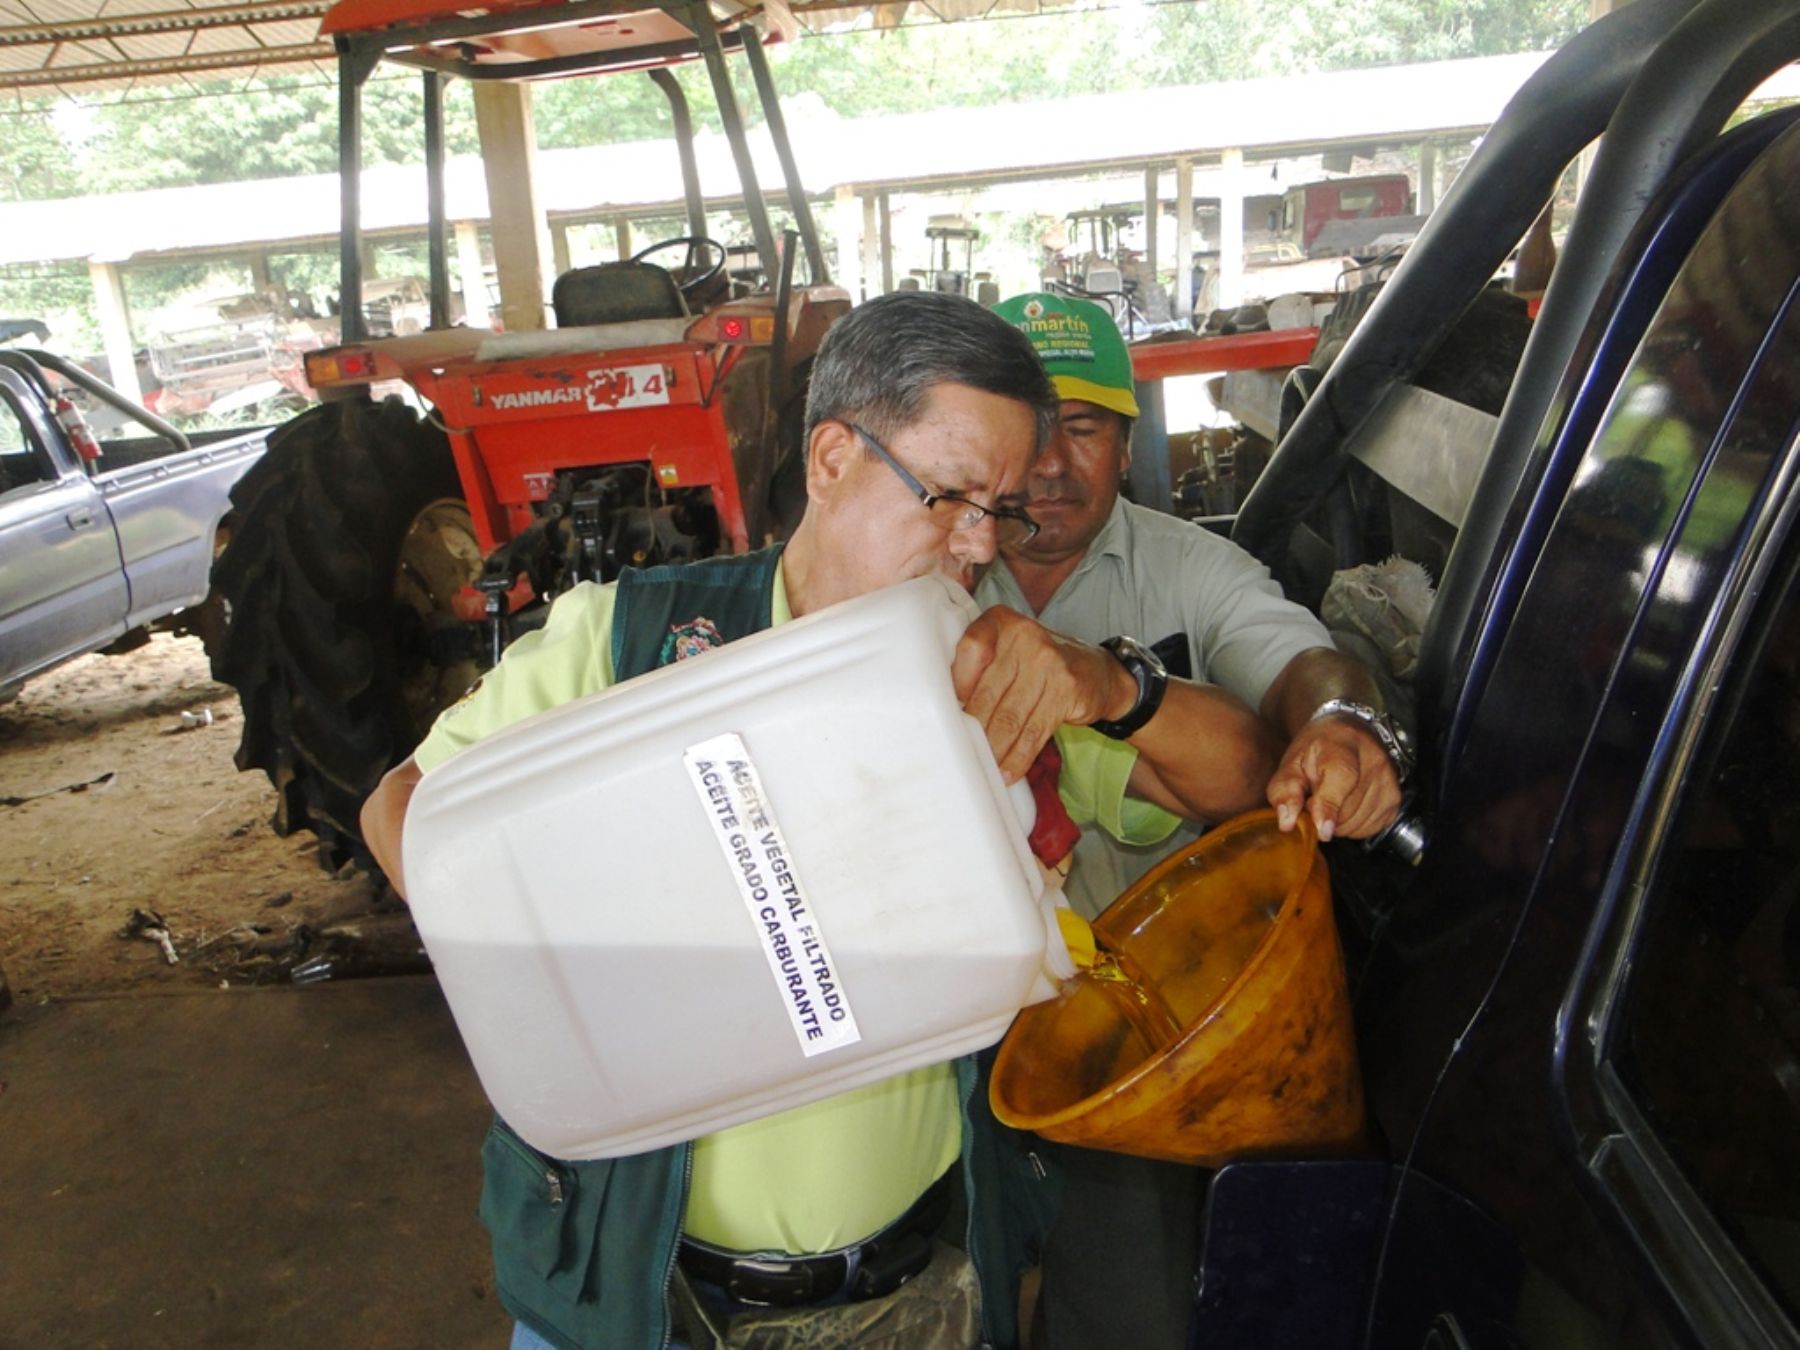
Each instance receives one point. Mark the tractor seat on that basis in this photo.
(619, 292)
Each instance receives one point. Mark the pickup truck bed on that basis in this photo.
(94, 549)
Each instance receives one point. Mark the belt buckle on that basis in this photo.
(775, 1284)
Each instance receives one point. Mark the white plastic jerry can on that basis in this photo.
(740, 883)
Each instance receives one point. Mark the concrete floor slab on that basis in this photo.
(243, 1167)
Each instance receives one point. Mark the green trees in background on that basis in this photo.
(279, 126)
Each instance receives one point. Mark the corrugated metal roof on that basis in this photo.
(82, 47)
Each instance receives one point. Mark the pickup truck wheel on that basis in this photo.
(351, 541)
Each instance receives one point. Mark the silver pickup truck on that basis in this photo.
(100, 541)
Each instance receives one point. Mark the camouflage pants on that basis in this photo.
(938, 1309)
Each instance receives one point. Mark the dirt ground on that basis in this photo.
(109, 805)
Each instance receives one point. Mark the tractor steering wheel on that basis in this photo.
(688, 279)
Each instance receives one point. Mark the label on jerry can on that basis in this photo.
(757, 855)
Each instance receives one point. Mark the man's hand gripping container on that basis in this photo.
(741, 883)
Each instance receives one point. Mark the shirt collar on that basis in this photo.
(1113, 541)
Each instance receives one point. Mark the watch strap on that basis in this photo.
(1152, 682)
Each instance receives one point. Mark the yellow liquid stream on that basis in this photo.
(1149, 1016)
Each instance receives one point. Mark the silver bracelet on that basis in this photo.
(1388, 733)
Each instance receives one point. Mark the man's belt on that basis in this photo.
(882, 1262)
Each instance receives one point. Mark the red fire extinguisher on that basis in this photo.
(75, 427)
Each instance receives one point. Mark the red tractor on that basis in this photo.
(383, 554)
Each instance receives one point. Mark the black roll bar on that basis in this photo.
(437, 241)
(731, 116)
(1563, 106)
(784, 151)
(684, 145)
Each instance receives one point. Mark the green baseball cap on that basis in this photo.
(1080, 346)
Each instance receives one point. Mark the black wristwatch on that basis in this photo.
(1152, 682)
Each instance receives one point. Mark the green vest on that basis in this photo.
(584, 1252)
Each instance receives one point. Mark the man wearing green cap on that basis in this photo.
(1151, 587)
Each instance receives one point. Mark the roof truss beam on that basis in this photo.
(166, 21)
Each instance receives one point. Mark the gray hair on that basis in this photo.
(878, 363)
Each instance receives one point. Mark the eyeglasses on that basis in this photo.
(1011, 525)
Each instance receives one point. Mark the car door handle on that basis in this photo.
(80, 519)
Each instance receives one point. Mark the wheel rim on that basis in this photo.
(438, 557)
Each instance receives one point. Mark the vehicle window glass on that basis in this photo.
(1709, 1037)
(1356, 201)
(22, 461)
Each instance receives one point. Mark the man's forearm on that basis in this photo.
(1312, 679)
(384, 820)
(1206, 755)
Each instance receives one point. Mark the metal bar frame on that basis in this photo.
(784, 151)
(437, 231)
(732, 117)
(354, 68)
(684, 146)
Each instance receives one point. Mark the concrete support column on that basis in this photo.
(259, 271)
(1184, 238)
(473, 272)
(887, 244)
(1231, 229)
(559, 246)
(846, 222)
(1152, 219)
(1428, 177)
(871, 241)
(622, 237)
(115, 328)
(516, 218)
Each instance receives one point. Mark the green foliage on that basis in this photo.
(278, 127)
(60, 294)
(269, 130)
(34, 162)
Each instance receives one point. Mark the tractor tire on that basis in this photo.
(352, 538)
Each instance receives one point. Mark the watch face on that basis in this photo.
(1134, 653)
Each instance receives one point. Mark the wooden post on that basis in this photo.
(1152, 220)
(115, 328)
(887, 244)
(1184, 238)
(1231, 229)
(509, 160)
(845, 219)
(559, 246)
(871, 241)
(473, 271)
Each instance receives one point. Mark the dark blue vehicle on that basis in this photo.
(1579, 1014)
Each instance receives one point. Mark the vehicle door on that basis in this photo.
(165, 502)
(62, 589)
(1609, 1155)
